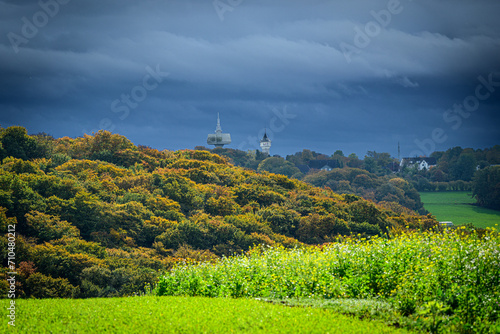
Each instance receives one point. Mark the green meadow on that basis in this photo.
(457, 207)
(180, 315)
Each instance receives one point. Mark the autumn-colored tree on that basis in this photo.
(48, 227)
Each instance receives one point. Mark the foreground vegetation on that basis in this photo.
(458, 207)
(432, 280)
(181, 315)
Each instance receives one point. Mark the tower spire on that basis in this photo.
(218, 129)
(265, 143)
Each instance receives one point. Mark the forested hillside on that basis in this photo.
(385, 190)
(99, 216)
(379, 178)
(369, 178)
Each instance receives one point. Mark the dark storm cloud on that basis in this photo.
(395, 86)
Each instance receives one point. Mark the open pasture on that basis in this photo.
(180, 315)
(457, 207)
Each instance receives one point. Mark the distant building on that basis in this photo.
(219, 139)
(325, 165)
(265, 144)
(322, 164)
(420, 162)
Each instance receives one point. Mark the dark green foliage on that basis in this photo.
(18, 197)
(59, 159)
(16, 143)
(41, 286)
(464, 168)
(187, 232)
(316, 229)
(371, 165)
(456, 164)
(362, 211)
(486, 187)
(278, 166)
(47, 227)
(281, 220)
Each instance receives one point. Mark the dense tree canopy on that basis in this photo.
(99, 216)
(370, 186)
(278, 166)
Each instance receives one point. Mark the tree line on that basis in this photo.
(457, 169)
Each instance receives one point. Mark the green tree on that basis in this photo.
(315, 228)
(56, 261)
(48, 227)
(493, 155)
(486, 187)
(5, 221)
(282, 220)
(278, 166)
(45, 142)
(16, 143)
(377, 162)
(464, 168)
(41, 286)
(353, 161)
(371, 165)
(364, 181)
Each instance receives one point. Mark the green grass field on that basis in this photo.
(458, 208)
(179, 315)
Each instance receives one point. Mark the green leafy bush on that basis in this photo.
(40, 286)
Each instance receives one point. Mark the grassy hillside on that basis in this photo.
(181, 315)
(457, 206)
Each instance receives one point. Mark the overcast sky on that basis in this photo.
(323, 75)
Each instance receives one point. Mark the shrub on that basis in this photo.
(41, 286)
